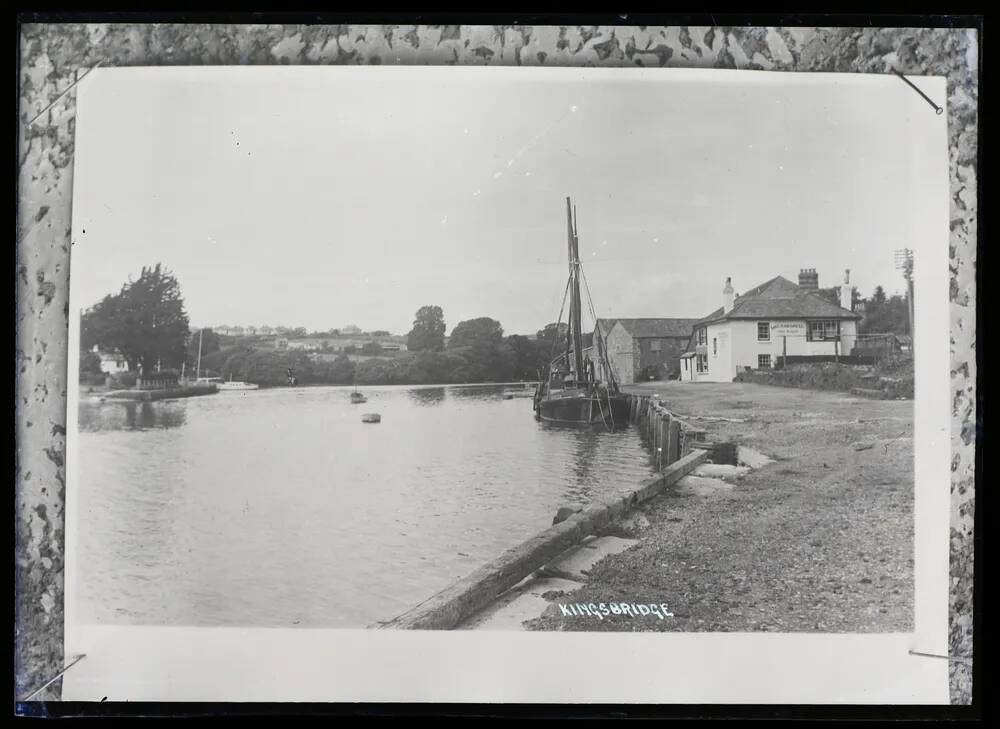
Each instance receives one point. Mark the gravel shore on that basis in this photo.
(821, 539)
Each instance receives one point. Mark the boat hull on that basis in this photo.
(584, 410)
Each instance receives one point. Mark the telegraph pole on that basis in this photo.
(904, 261)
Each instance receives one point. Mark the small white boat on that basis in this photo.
(238, 385)
(371, 418)
(232, 384)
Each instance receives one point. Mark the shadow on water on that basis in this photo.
(477, 392)
(427, 396)
(131, 416)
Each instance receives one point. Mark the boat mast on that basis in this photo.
(197, 374)
(576, 335)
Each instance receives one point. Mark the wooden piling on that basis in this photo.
(673, 441)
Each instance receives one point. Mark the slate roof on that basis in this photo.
(652, 327)
(779, 298)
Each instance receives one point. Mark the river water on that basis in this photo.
(281, 508)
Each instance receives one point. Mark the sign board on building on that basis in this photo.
(788, 329)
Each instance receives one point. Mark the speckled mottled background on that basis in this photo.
(54, 56)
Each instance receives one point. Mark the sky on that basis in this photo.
(327, 196)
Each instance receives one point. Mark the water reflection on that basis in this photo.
(128, 415)
(427, 396)
(477, 392)
(225, 510)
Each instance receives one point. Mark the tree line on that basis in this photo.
(882, 314)
(146, 324)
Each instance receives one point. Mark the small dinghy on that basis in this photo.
(371, 418)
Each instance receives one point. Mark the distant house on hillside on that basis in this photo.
(767, 323)
(643, 349)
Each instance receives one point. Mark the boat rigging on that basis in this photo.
(580, 389)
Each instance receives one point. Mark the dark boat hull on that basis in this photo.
(584, 410)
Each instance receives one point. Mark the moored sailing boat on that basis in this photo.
(356, 397)
(580, 389)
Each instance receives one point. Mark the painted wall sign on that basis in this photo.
(788, 329)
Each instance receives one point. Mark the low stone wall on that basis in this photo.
(833, 377)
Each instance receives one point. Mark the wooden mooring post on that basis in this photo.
(669, 437)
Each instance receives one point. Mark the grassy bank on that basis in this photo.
(891, 380)
(819, 540)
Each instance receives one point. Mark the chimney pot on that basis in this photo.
(728, 296)
(847, 292)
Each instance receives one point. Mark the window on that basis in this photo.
(655, 345)
(702, 335)
(701, 362)
(763, 361)
(715, 346)
(820, 331)
(763, 331)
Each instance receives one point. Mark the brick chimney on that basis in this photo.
(809, 279)
(728, 297)
(846, 293)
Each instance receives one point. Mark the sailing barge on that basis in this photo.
(580, 386)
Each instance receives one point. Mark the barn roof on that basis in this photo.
(652, 327)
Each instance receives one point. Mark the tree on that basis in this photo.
(90, 363)
(380, 333)
(476, 331)
(529, 358)
(371, 348)
(209, 342)
(428, 330)
(553, 333)
(885, 315)
(145, 321)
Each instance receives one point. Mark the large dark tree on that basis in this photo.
(427, 334)
(145, 321)
(476, 331)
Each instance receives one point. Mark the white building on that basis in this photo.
(112, 363)
(773, 320)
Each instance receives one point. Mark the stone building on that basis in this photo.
(644, 349)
